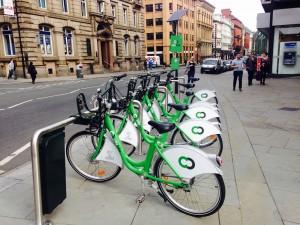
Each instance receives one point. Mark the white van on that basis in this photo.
(155, 60)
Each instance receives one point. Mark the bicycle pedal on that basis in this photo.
(140, 199)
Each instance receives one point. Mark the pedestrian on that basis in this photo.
(11, 69)
(190, 66)
(145, 65)
(264, 67)
(32, 71)
(238, 65)
(250, 67)
(150, 64)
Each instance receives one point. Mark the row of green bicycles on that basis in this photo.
(184, 141)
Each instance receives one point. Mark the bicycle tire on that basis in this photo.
(206, 190)
(79, 151)
(206, 144)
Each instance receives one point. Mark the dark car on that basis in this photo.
(228, 64)
(223, 66)
(211, 65)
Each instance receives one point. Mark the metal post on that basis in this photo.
(138, 103)
(166, 91)
(20, 39)
(36, 165)
(176, 71)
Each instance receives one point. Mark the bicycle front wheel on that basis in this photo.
(205, 195)
(79, 150)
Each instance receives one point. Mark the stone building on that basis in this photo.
(57, 35)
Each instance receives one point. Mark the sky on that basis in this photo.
(244, 10)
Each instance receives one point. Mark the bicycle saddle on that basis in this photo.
(188, 85)
(194, 78)
(162, 127)
(189, 93)
(179, 107)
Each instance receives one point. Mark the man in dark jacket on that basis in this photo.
(251, 67)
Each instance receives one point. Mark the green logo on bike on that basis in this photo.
(204, 95)
(197, 130)
(186, 163)
(200, 115)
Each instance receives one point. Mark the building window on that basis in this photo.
(45, 40)
(68, 42)
(159, 35)
(159, 48)
(100, 7)
(187, 37)
(136, 44)
(149, 8)
(192, 37)
(83, 8)
(125, 46)
(149, 22)
(125, 16)
(64, 4)
(116, 48)
(158, 7)
(1, 3)
(150, 36)
(88, 47)
(113, 10)
(134, 19)
(159, 21)
(170, 6)
(9, 46)
(42, 4)
(150, 49)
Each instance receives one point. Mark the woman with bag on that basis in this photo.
(264, 67)
(190, 68)
(32, 71)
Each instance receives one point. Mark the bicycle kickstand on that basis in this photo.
(142, 197)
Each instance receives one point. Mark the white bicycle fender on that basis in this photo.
(170, 99)
(197, 129)
(190, 161)
(201, 113)
(110, 153)
(129, 134)
(209, 105)
(146, 119)
(204, 95)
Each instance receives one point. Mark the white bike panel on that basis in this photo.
(170, 99)
(110, 153)
(129, 134)
(197, 129)
(204, 95)
(146, 119)
(190, 161)
(201, 113)
(212, 106)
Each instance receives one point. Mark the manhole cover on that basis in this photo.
(289, 109)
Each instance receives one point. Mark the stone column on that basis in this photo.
(111, 58)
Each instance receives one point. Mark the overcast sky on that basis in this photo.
(244, 10)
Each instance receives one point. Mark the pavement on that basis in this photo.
(261, 135)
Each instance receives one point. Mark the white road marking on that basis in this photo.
(74, 91)
(20, 104)
(2, 109)
(91, 87)
(14, 154)
(51, 96)
(2, 171)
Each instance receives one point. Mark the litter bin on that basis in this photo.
(53, 170)
(79, 72)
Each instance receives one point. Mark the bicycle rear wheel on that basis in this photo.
(204, 197)
(79, 150)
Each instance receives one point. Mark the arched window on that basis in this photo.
(136, 45)
(8, 41)
(45, 40)
(126, 39)
(68, 42)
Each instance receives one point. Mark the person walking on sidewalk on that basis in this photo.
(150, 64)
(238, 65)
(11, 69)
(264, 67)
(251, 67)
(190, 66)
(32, 72)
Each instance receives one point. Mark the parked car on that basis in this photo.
(211, 65)
(223, 66)
(228, 64)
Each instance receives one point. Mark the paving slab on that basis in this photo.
(14, 221)
(230, 215)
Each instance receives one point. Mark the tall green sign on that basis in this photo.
(175, 63)
(176, 43)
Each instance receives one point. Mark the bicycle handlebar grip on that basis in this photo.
(121, 76)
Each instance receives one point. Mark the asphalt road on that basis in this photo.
(25, 108)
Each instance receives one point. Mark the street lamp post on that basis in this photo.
(20, 39)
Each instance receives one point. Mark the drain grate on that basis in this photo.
(289, 109)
